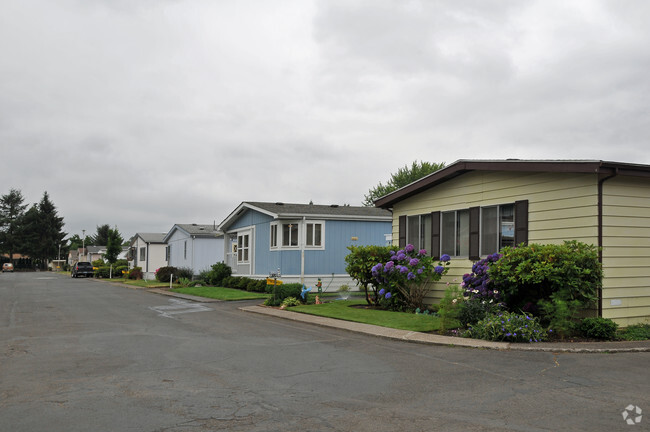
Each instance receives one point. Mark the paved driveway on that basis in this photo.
(82, 355)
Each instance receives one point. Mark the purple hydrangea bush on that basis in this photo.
(403, 279)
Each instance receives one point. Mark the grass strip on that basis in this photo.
(220, 293)
(343, 310)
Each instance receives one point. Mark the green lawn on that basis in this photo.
(399, 320)
(221, 293)
(141, 283)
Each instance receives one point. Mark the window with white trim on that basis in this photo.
(242, 248)
(314, 234)
(143, 253)
(274, 235)
(290, 234)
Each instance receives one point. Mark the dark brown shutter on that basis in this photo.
(402, 231)
(435, 235)
(474, 233)
(521, 222)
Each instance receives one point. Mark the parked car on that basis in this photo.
(82, 268)
(7, 267)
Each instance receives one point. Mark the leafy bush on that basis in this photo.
(528, 274)
(508, 327)
(184, 282)
(256, 285)
(119, 271)
(184, 273)
(290, 301)
(636, 332)
(103, 272)
(359, 264)
(98, 263)
(406, 276)
(229, 282)
(598, 328)
(218, 273)
(472, 310)
(560, 314)
(163, 274)
(280, 292)
(449, 307)
(135, 273)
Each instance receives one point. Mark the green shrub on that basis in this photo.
(242, 282)
(449, 307)
(472, 310)
(120, 271)
(218, 273)
(163, 274)
(135, 273)
(103, 272)
(98, 263)
(508, 327)
(280, 292)
(636, 332)
(184, 273)
(184, 282)
(359, 264)
(229, 282)
(554, 281)
(598, 328)
(256, 285)
(290, 301)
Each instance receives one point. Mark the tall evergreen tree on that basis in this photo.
(104, 232)
(42, 230)
(12, 210)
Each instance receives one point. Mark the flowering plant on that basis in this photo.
(477, 284)
(508, 327)
(404, 277)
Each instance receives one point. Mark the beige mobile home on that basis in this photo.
(473, 208)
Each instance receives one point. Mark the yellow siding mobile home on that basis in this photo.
(606, 204)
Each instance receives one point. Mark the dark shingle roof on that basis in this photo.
(152, 237)
(289, 209)
(463, 166)
(280, 210)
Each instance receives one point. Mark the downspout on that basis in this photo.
(302, 250)
(192, 260)
(600, 232)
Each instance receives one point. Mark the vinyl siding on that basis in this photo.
(561, 207)
(626, 250)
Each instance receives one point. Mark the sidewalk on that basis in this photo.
(429, 338)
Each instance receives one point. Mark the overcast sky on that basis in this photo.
(145, 113)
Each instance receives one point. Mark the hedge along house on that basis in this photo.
(473, 208)
(148, 251)
(194, 246)
(303, 242)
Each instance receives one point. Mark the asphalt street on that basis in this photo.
(86, 355)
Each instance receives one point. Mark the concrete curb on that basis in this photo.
(428, 338)
(433, 339)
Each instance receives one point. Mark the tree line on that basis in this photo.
(37, 231)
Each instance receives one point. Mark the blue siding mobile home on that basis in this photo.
(303, 242)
